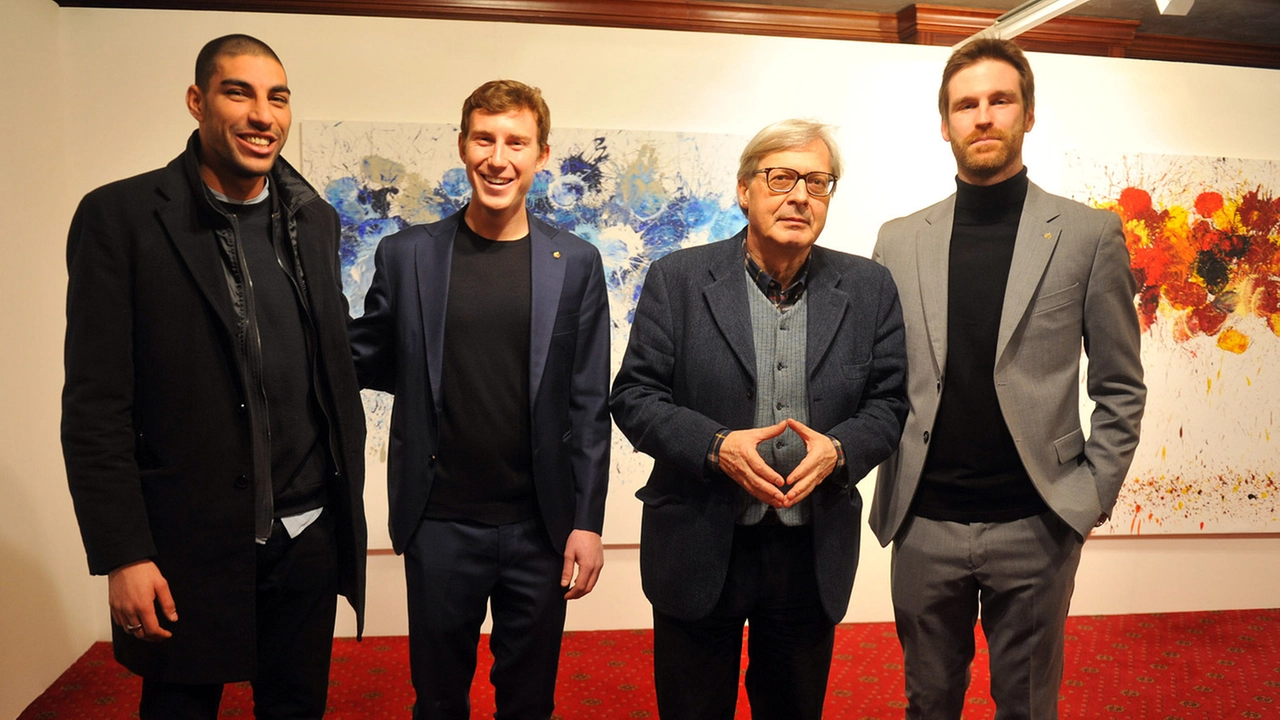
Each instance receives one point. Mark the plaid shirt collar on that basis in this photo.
(782, 298)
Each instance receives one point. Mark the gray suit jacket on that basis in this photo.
(690, 370)
(1069, 286)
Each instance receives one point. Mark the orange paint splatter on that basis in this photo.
(1206, 266)
(1208, 203)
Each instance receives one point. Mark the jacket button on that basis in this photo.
(242, 482)
(926, 437)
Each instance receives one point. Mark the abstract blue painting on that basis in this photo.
(635, 195)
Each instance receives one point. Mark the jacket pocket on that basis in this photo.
(1069, 446)
(565, 324)
(1057, 298)
(855, 371)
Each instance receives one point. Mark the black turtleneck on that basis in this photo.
(973, 472)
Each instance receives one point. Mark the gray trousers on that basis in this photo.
(1018, 576)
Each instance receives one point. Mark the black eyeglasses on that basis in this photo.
(783, 180)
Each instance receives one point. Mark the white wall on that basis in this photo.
(49, 607)
(115, 109)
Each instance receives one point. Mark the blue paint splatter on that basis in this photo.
(633, 211)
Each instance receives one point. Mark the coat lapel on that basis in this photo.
(199, 249)
(547, 263)
(933, 257)
(1038, 232)
(827, 307)
(433, 257)
(726, 297)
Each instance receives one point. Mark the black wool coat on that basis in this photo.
(162, 431)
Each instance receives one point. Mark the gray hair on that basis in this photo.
(787, 135)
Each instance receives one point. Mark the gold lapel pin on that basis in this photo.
(556, 254)
(1048, 236)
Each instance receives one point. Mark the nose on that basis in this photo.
(983, 114)
(497, 156)
(260, 114)
(799, 194)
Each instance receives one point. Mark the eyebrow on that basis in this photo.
(994, 93)
(245, 85)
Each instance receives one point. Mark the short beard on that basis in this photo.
(991, 163)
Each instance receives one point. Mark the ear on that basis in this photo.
(543, 155)
(195, 103)
(462, 148)
(946, 131)
(742, 196)
(1030, 120)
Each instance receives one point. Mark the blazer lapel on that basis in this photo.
(1038, 232)
(433, 257)
(827, 307)
(726, 297)
(547, 263)
(933, 257)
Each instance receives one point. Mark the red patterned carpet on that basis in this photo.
(1207, 666)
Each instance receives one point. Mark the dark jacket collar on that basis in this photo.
(289, 190)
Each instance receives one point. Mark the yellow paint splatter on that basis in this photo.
(1233, 340)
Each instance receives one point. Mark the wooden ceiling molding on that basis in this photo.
(923, 24)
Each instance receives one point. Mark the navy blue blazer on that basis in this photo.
(690, 370)
(398, 346)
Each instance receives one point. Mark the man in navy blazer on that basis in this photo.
(765, 375)
(491, 329)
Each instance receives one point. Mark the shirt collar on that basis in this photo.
(782, 298)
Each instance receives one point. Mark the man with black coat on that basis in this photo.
(212, 425)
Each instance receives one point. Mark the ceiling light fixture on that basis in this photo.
(1029, 15)
(1174, 7)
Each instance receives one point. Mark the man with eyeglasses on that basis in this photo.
(765, 375)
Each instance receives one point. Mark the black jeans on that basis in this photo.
(297, 599)
(771, 584)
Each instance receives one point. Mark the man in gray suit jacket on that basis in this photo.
(765, 376)
(995, 486)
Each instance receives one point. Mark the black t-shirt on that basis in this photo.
(484, 466)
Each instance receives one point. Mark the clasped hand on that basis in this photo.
(740, 460)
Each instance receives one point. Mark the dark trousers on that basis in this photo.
(297, 600)
(1019, 576)
(452, 571)
(771, 584)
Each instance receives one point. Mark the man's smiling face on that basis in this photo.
(244, 118)
(502, 156)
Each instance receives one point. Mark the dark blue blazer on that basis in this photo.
(398, 345)
(690, 370)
